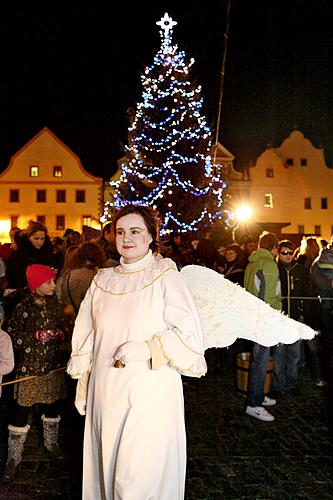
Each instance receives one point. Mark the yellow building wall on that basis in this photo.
(45, 150)
(290, 185)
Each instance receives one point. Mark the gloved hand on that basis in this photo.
(81, 393)
(133, 351)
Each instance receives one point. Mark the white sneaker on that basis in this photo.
(268, 401)
(260, 413)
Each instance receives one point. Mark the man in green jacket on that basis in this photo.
(262, 280)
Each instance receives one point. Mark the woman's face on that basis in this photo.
(132, 238)
(230, 255)
(37, 239)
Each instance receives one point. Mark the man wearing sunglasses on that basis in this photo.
(295, 283)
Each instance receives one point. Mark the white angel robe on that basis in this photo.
(134, 442)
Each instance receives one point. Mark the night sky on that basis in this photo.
(76, 69)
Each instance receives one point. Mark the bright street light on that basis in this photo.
(243, 213)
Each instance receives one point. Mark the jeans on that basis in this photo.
(258, 369)
(286, 360)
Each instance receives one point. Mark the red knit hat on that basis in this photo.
(37, 274)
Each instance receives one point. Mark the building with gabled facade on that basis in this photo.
(45, 181)
(238, 185)
(292, 187)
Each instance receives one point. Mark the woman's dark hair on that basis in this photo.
(108, 228)
(34, 227)
(206, 253)
(89, 254)
(151, 220)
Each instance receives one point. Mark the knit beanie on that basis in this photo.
(37, 274)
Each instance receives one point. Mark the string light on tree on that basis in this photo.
(168, 156)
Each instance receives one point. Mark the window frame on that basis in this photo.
(31, 170)
(41, 219)
(11, 193)
(38, 193)
(85, 219)
(57, 169)
(60, 227)
(307, 203)
(58, 191)
(268, 200)
(14, 220)
(77, 191)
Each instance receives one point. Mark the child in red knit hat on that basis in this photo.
(35, 327)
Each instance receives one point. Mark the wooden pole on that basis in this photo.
(226, 35)
(31, 377)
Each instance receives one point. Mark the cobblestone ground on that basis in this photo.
(230, 455)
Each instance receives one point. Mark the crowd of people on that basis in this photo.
(98, 306)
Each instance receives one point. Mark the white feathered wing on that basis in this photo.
(228, 312)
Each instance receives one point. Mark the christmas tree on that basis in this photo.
(169, 164)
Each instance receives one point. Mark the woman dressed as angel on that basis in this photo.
(136, 332)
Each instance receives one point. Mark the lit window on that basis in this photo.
(60, 222)
(86, 220)
(304, 162)
(61, 196)
(324, 205)
(269, 172)
(317, 230)
(14, 195)
(14, 220)
(268, 203)
(41, 219)
(41, 196)
(34, 171)
(80, 196)
(301, 229)
(57, 171)
(307, 203)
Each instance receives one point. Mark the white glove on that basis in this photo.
(133, 351)
(81, 393)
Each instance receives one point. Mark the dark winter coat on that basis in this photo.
(234, 271)
(322, 277)
(37, 336)
(295, 282)
(25, 255)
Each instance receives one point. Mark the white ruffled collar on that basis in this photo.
(139, 265)
(128, 278)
